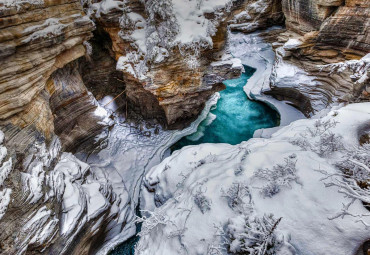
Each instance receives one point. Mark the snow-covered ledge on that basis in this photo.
(206, 195)
(253, 51)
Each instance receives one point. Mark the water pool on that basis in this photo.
(235, 118)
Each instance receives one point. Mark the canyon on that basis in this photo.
(93, 93)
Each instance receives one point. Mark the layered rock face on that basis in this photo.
(36, 38)
(316, 57)
(170, 60)
(45, 193)
(164, 51)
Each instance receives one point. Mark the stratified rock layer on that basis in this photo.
(320, 37)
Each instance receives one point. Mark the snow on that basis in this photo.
(50, 27)
(192, 22)
(96, 202)
(360, 68)
(19, 3)
(292, 44)
(254, 52)
(106, 6)
(304, 206)
(5, 169)
(40, 228)
(74, 197)
(104, 109)
(33, 183)
(227, 59)
(181, 24)
(120, 164)
(108, 103)
(4, 201)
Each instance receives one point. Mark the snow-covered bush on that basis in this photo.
(327, 141)
(203, 203)
(238, 197)
(153, 220)
(353, 181)
(252, 235)
(279, 176)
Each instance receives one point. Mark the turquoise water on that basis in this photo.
(235, 118)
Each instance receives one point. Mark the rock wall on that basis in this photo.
(319, 36)
(169, 79)
(36, 38)
(45, 193)
(50, 202)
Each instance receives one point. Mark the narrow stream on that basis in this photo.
(235, 118)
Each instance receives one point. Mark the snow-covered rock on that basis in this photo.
(230, 180)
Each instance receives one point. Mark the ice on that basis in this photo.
(253, 51)
(304, 206)
(121, 163)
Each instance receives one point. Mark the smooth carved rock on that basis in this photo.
(330, 2)
(304, 16)
(73, 107)
(347, 28)
(35, 41)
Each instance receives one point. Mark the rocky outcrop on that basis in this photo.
(322, 36)
(45, 202)
(169, 61)
(166, 74)
(256, 15)
(36, 38)
(74, 108)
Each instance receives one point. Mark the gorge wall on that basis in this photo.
(318, 56)
(59, 56)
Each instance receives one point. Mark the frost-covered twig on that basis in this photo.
(353, 180)
(155, 218)
(236, 196)
(279, 176)
(256, 236)
(203, 203)
(327, 142)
